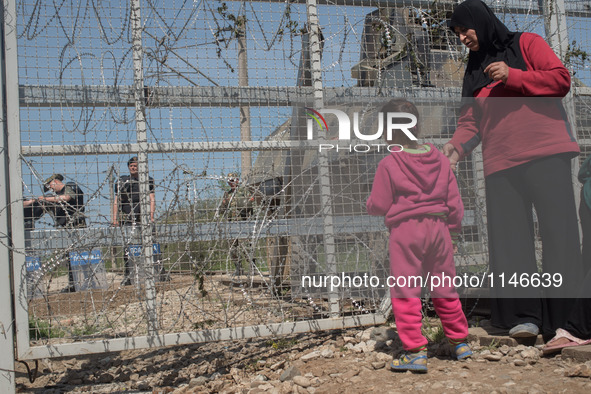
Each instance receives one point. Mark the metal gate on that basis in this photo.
(238, 215)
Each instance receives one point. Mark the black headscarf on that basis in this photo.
(496, 43)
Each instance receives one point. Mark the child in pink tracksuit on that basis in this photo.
(417, 193)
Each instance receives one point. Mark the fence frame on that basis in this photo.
(11, 221)
(7, 321)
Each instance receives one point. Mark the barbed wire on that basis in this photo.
(89, 44)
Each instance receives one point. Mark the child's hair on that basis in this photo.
(398, 137)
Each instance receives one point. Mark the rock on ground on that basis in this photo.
(352, 361)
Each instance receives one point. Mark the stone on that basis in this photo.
(371, 345)
(505, 349)
(531, 352)
(142, 385)
(169, 377)
(364, 335)
(513, 352)
(302, 381)
(350, 374)
(383, 357)
(277, 365)
(581, 370)
(217, 385)
(198, 381)
(492, 357)
(289, 373)
(106, 378)
(287, 387)
(361, 347)
(383, 334)
(257, 383)
(578, 353)
(310, 356)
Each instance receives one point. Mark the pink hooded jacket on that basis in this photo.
(410, 185)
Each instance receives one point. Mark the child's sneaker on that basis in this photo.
(463, 351)
(414, 362)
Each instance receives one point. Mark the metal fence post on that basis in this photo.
(11, 217)
(7, 377)
(323, 163)
(142, 140)
(245, 132)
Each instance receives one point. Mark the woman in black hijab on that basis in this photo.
(527, 147)
(496, 43)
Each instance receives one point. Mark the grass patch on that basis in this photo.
(201, 325)
(433, 332)
(282, 343)
(41, 329)
(84, 331)
(493, 345)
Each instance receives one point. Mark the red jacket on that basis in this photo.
(411, 185)
(521, 120)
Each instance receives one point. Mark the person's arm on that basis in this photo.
(152, 206)
(546, 75)
(115, 213)
(456, 208)
(382, 193)
(466, 136)
(152, 195)
(115, 208)
(66, 197)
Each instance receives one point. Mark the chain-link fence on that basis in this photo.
(198, 207)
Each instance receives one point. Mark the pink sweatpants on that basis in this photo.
(423, 247)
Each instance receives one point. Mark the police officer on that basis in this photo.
(127, 208)
(65, 205)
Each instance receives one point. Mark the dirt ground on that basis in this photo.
(352, 361)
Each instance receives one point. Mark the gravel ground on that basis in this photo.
(352, 361)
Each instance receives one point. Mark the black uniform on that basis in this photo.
(65, 213)
(68, 214)
(128, 191)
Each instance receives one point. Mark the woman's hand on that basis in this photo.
(452, 154)
(497, 71)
